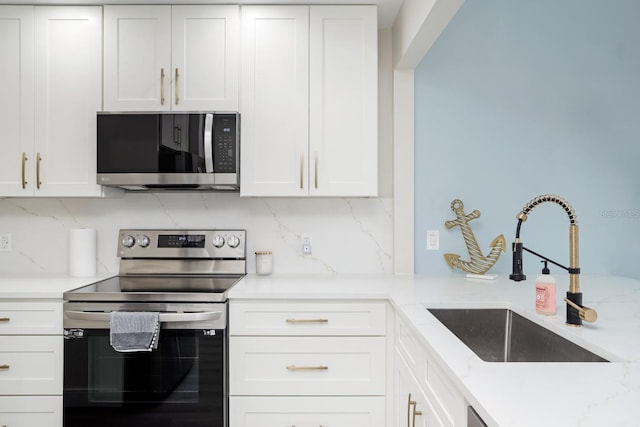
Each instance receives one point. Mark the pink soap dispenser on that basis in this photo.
(545, 292)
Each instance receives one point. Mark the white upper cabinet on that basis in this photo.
(205, 57)
(51, 82)
(343, 94)
(309, 101)
(275, 101)
(137, 57)
(16, 102)
(67, 96)
(180, 58)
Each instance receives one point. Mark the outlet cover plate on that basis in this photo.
(5, 242)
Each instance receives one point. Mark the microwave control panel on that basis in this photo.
(225, 141)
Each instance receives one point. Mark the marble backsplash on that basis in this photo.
(350, 236)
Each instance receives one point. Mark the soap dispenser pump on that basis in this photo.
(545, 292)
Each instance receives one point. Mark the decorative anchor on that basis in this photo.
(479, 263)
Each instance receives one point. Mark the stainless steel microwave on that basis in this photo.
(169, 151)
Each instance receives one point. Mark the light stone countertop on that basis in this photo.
(504, 394)
(41, 285)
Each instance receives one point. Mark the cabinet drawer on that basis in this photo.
(307, 318)
(31, 365)
(318, 366)
(30, 318)
(307, 411)
(43, 411)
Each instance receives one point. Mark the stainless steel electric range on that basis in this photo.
(183, 275)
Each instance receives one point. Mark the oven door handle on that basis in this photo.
(164, 317)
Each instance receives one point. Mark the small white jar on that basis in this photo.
(264, 262)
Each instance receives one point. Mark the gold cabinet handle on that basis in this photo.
(307, 368)
(411, 402)
(24, 161)
(161, 86)
(176, 88)
(296, 321)
(4, 367)
(315, 167)
(38, 160)
(411, 419)
(5, 319)
(415, 413)
(301, 171)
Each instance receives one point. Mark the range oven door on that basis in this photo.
(181, 383)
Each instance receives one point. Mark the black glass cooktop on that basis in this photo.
(156, 288)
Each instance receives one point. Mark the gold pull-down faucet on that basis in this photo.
(576, 312)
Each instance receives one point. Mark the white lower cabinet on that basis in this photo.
(305, 411)
(41, 411)
(31, 363)
(325, 366)
(423, 396)
(413, 407)
(310, 364)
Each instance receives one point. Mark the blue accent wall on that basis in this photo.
(518, 99)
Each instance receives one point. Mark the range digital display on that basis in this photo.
(181, 240)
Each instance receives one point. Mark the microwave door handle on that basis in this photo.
(208, 143)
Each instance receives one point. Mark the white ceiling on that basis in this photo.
(387, 9)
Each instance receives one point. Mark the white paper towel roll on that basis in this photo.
(82, 252)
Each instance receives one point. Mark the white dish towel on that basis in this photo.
(134, 331)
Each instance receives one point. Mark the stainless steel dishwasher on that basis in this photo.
(473, 419)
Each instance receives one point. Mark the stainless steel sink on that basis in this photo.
(501, 335)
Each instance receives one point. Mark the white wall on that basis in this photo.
(350, 236)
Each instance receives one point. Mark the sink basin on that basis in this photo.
(501, 335)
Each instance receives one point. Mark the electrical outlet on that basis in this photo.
(5, 242)
(433, 240)
(306, 244)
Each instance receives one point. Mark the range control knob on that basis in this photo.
(233, 241)
(144, 241)
(218, 241)
(128, 241)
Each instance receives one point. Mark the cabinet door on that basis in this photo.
(68, 56)
(205, 50)
(16, 98)
(274, 100)
(412, 408)
(343, 88)
(137, 58)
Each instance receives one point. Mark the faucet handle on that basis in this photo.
(585, 313)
